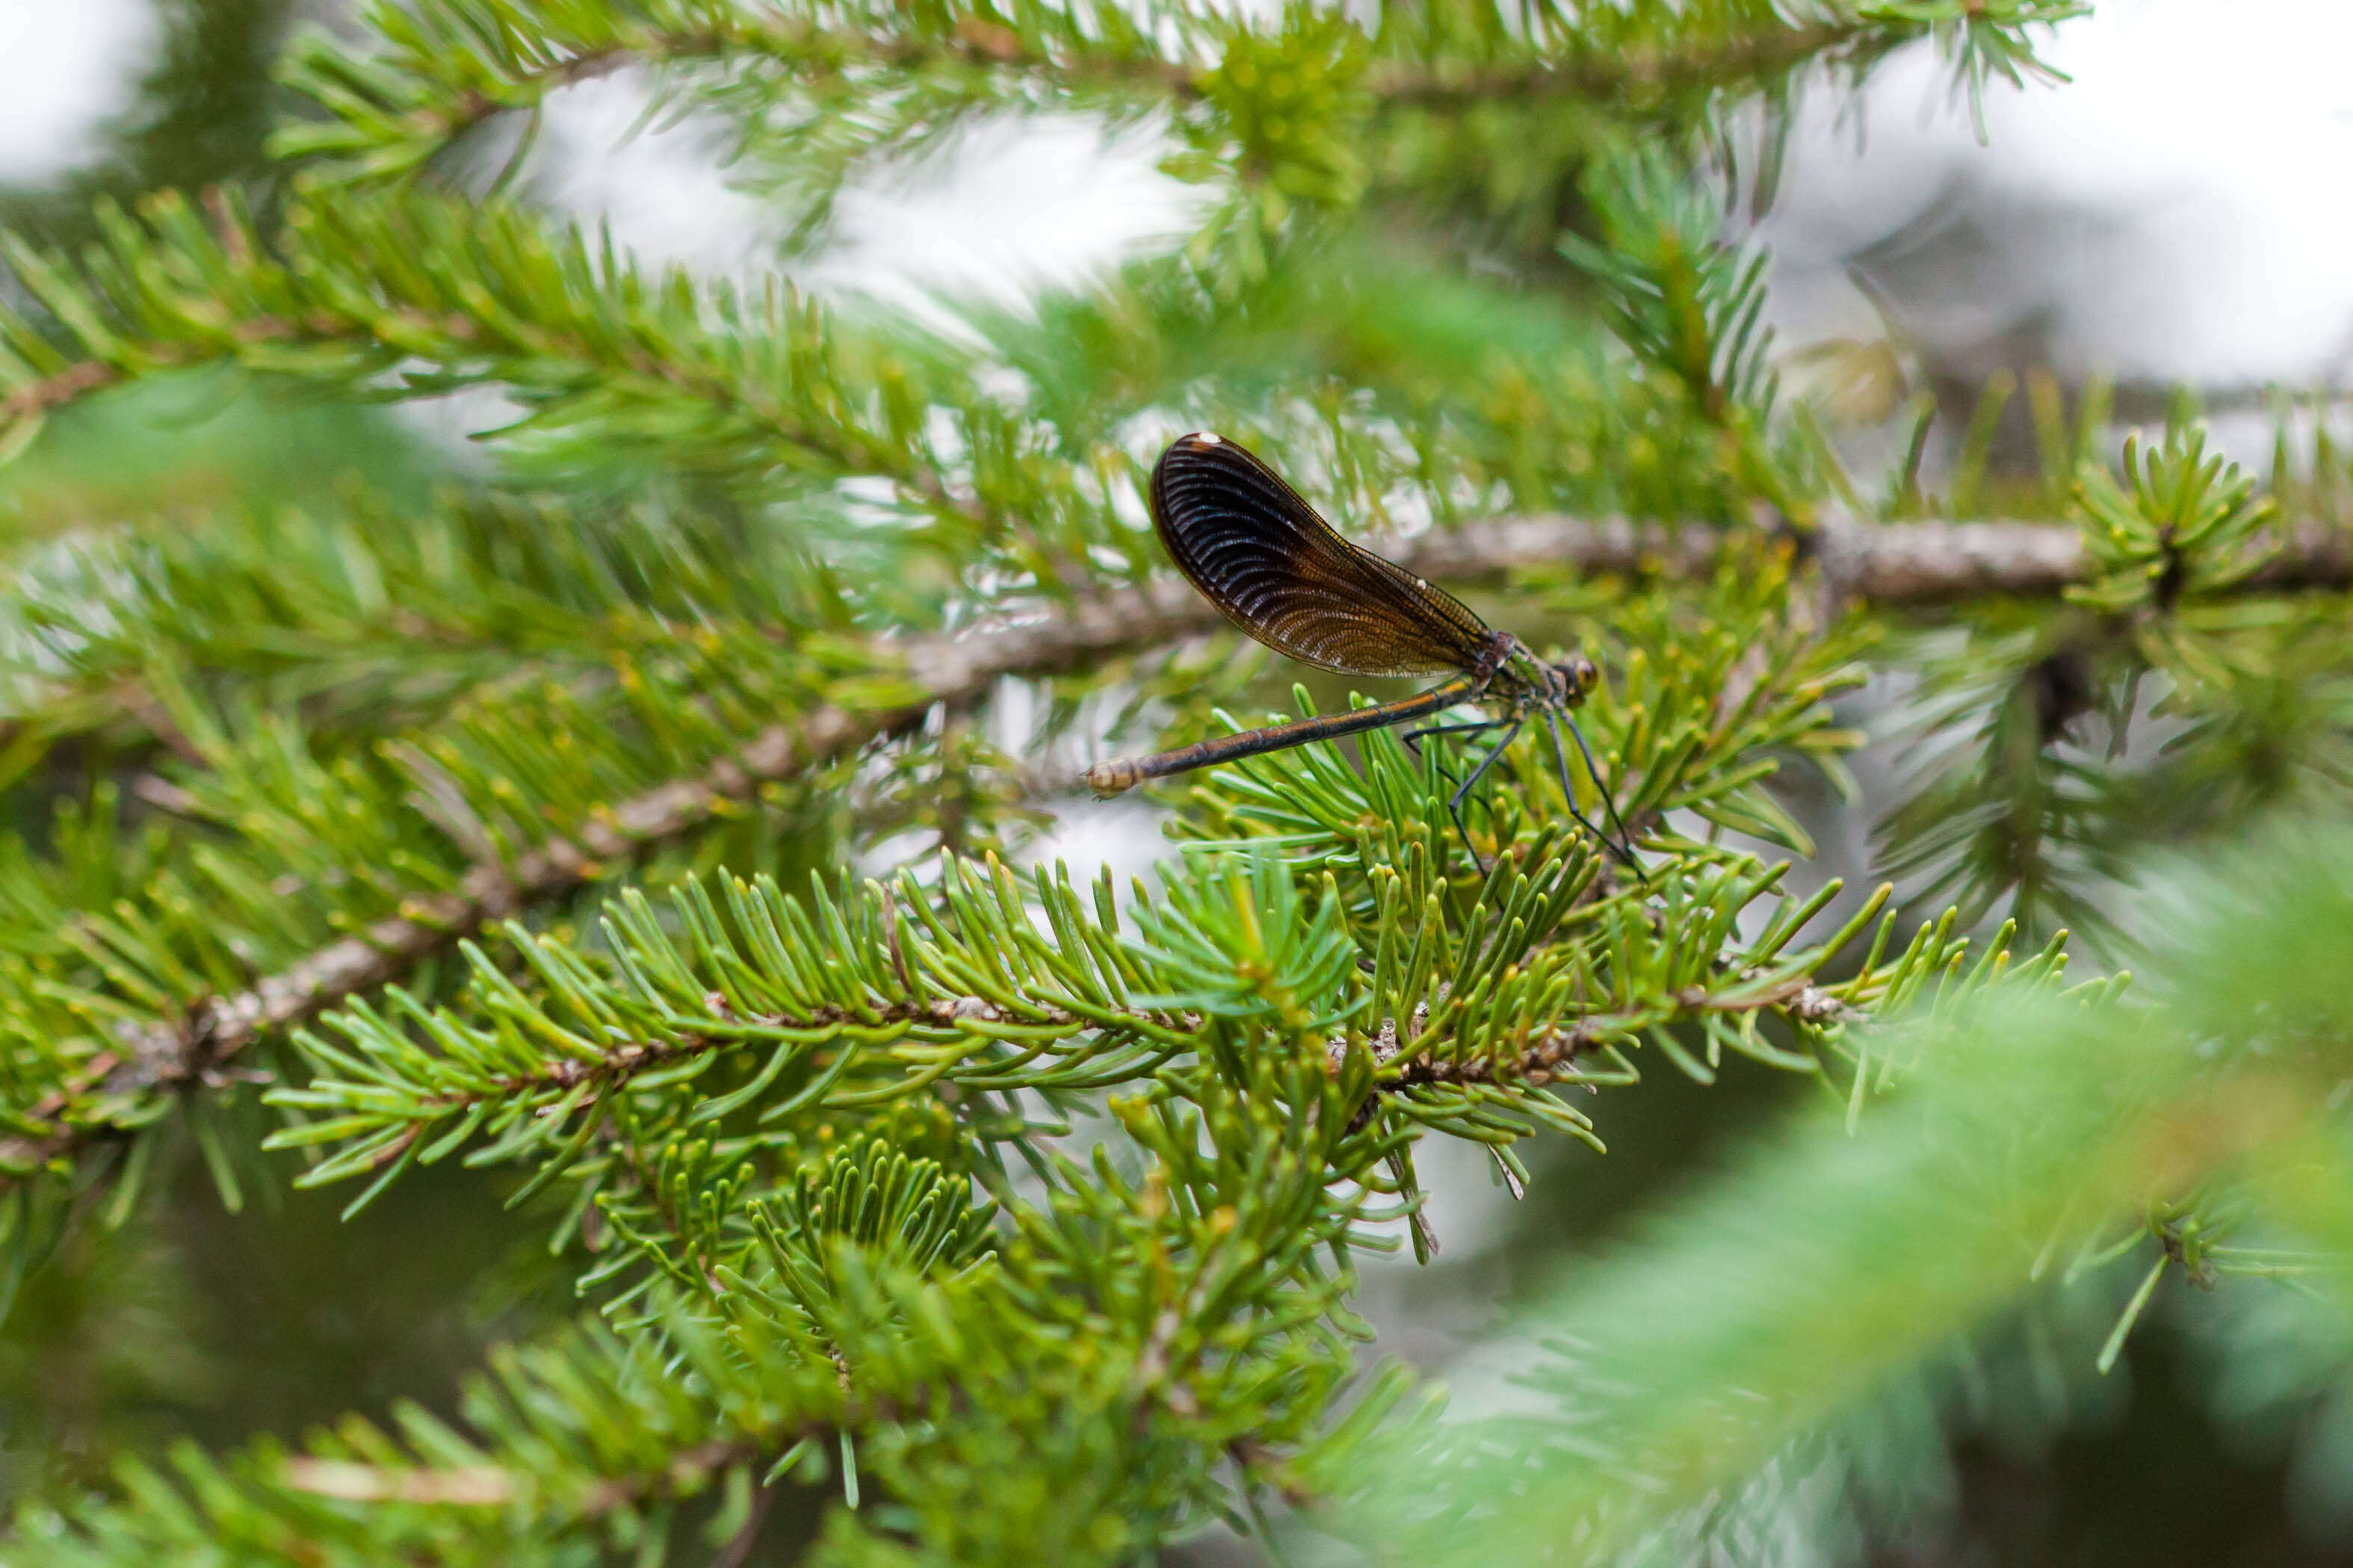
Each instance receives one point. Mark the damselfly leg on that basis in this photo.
(1511, 728)
(1621, 846)
(1413, 737)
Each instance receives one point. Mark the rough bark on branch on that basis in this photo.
(1896, 564)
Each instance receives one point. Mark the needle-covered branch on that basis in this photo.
(2188, 594)
(1416, 977)
(690, 1062)
(451, 65)
(1023, 1216)
(1269, 101)
(179, 1025)
(865, 1324)
(798, 1009)
(1802, 1284)
(424, 297)
(1620, 54)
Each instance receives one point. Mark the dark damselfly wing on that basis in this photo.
(1258, 552)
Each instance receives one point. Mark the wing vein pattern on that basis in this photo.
(1256, 550)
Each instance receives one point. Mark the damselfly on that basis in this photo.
(1262, 555)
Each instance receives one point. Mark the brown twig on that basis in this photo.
(623, 1062)
(1539, 1064)
(32, 398)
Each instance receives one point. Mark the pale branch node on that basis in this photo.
(1895, 564)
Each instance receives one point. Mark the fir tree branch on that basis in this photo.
(452, 294)
(383, 750)
(1639, 72)
(1842, 1254)
(871, 77)
(177, 1053)
(855, 1310)
(448, 68)
(843, 1002)
(1620, 56)
(1893, 564)
(943, 671)
(1238, 1215)
(589, 348)
(1548, 1059)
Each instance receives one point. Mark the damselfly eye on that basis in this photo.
(1579, 673)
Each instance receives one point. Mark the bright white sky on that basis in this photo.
(65, 66)
(2186, 188)
(1014, 206)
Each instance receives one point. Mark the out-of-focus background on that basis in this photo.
(2166, 220)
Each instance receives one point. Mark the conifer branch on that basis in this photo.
(213, 1031)
(1722, 47)
(1937, 1208)
(850, 1308)
(451, 71)
(450, 68)
(778, 1127)
(746, 383)
(1893, 564)
(1639, 72)
(1549, 1058)
(1896, 564)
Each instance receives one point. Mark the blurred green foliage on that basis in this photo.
(615, 822)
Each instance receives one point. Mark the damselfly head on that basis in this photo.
(1576, 678)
